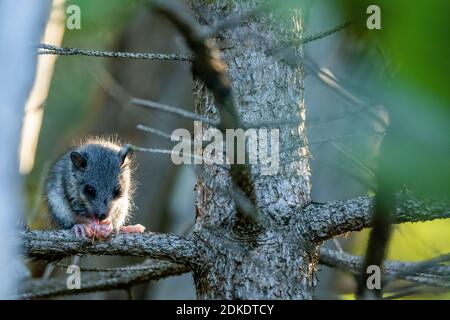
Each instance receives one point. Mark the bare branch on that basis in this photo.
(322, 221)
(315, 36)
(273, 123)
(347, 137)
(330, 80)
(171, 152)
(66, 51)
(320, 35)
(121, 278)
(318, 142)
(339, 116)
(431, 266)
(356, 175)
(413, 289)
(167, 136)
(354, 158)
(50, 245)
(154, 131)
(173, 110)
(436, 276)
(279, 123)
(111, 87)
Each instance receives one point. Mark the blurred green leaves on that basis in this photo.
(414, 42)
(414, 36)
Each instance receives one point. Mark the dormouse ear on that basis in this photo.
(78, 160)
(125, 152)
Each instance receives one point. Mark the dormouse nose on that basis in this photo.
(101, 214)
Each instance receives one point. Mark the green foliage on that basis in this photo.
(416, 36)
(416, 150)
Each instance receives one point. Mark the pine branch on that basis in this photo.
(331, 81)
(309, 38)
(323, 221)
(154, 131)
(49, 245)
(432, 275)
(192, 157)
(172, 110)
(122, 278)
(319, 35)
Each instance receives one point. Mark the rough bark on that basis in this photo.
(419, 272)
(323, 221)
(272, 261)
(120, 278)
(58, 244)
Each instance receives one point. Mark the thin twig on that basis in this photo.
(433, 265)
(413, 289)
(273, 123)
(336, 85)
(155, 132)
(101, 281)
(147, 265)
(319, 35)
(67, 51)
(332, 139)
(353, 264)
(173, 110)
(308, 38)
(111, 87)
(349, 154)
(171, 152)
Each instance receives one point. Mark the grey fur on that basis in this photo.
(107, 167)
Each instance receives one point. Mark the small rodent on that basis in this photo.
(89, 189)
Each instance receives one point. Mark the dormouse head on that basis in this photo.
(102, 174)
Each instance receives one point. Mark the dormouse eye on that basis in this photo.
(117, 192)
(90, 191)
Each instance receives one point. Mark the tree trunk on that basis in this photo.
(273, 261)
